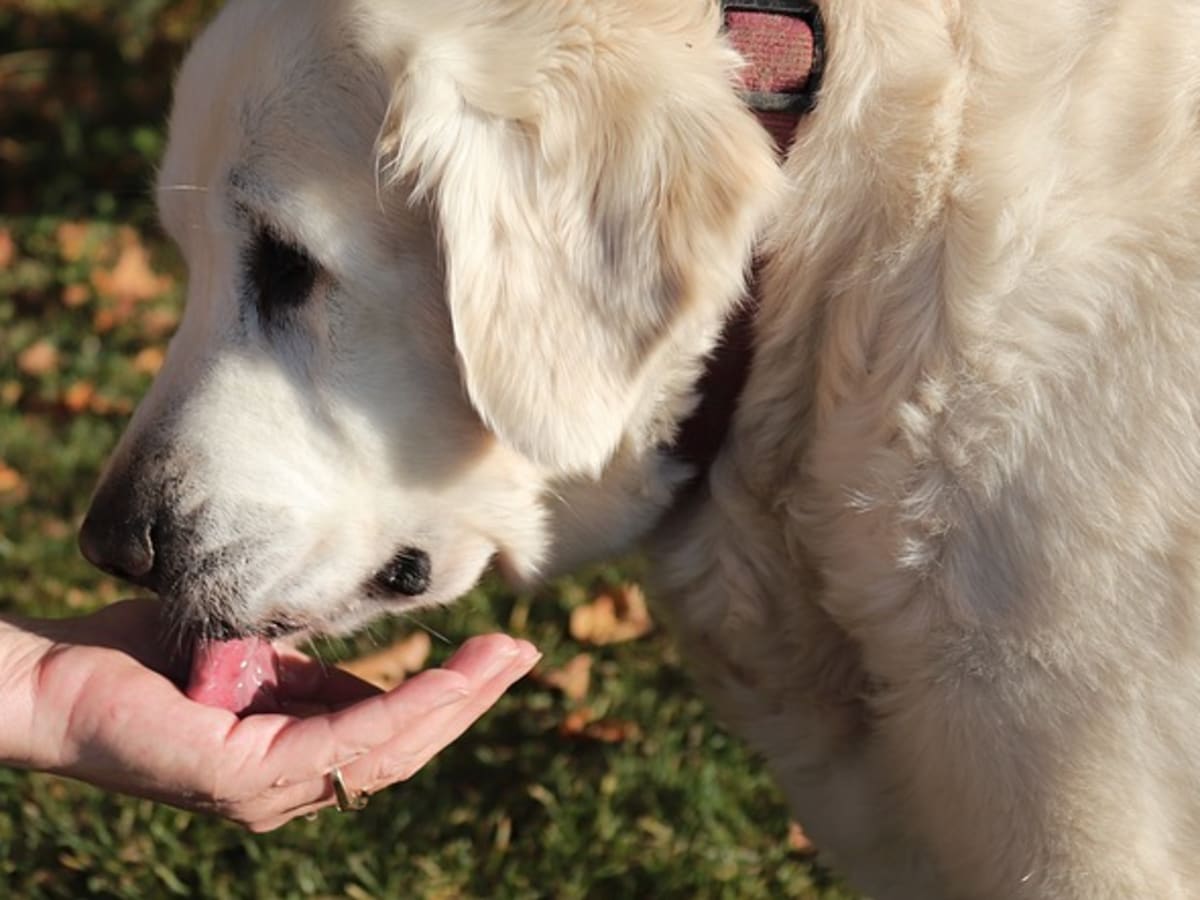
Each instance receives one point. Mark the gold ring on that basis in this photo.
(347, 801)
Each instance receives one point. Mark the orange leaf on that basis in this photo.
(12, 486)
(72, 240)
(149, 361)
(574, 679)
(581, 724)
(612, 731)
(104, 406)
(77, 599)
(798, 841)
(8, 249)
(75, 295)
(104, 321)
(158, 323)
(131, 280)
(390, 666)
(38, 359)
(79, 396)
(612, 618)
(10, 393)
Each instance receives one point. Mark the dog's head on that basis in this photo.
(448, 261)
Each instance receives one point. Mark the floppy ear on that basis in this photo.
(597, 185)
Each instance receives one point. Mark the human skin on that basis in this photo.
(97, 698)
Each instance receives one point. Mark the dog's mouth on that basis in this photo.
(240, 675)
(237, 668)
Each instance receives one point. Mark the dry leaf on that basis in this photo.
(581, 724)
(55, 529)
(8, 249)
(38, 359)
(10, 393)
(573, 679)
(798, 841)
(12, 486)
(76, 295)
(131, 280)
(72, 240)
(149, 361)
(77, 599)
(390, 666)
(79, 396)
(103, 406)
(612, 617)
(105, 321)
(159, 323)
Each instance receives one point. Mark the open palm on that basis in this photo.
(103, 708)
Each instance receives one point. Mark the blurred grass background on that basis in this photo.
(622, 786)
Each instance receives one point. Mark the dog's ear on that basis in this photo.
(597, 185)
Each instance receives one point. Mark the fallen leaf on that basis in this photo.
(79, 396)
(388, 667)
(159, 323)
(38, 359)
(105, 406)
(10, 393)
(72, 240)
(149, 361)
(8, 249)
(132, 279)
(575, 722)
(77, 599)
(612, 618)
(798, 841)
(76, 295)
(580, 724)
(13, 488)
(55, 529)
(104, 321)
(574, 679)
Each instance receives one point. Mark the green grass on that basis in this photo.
(518, 808)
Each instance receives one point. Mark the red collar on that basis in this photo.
(783, 43)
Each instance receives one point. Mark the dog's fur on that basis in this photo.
(944, 574)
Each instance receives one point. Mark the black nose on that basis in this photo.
(116, 534)
(408, 574)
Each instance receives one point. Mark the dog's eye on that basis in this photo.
(282, 275)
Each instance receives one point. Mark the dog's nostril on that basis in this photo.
(123, 549)
(408, 574)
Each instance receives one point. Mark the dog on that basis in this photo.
(455, 273)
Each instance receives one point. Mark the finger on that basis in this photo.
(303, 678)
(409, 752)
(402, 758)
(297, 750)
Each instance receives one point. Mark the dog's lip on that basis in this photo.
(271, 629)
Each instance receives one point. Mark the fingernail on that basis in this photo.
(450, 699)
(530, 655)
(501, 662)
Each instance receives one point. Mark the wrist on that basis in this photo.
(22, 651)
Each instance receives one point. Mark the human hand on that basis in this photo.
(99, 706)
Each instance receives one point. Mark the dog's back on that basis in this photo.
(952, 554)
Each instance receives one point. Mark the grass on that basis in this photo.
(666, 805)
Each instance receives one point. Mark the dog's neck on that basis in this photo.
(783, 43)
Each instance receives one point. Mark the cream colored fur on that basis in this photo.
(944, 575)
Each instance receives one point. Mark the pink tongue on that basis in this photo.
(240, 676)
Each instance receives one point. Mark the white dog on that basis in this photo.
(455, 270)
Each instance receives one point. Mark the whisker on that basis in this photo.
(437, 634)
(195, 188)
